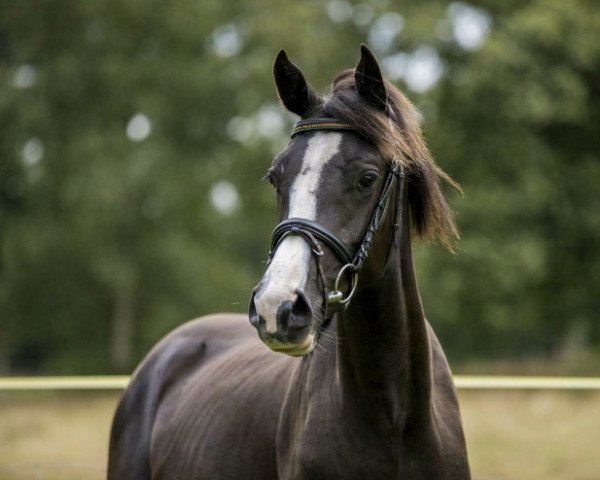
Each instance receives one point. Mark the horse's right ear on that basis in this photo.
(295, 93)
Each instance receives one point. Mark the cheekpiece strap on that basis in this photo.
(320, 124)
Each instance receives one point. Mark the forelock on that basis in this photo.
(397, 134)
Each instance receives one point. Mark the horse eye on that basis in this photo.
(367, 180)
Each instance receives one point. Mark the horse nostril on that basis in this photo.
(254, 317)
(301, 312)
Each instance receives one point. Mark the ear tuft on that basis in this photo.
(294, 91)
(369, 81)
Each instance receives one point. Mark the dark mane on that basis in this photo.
(397, 135)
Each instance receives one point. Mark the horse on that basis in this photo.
(346, 378)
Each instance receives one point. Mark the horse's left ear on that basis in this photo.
(368, 79)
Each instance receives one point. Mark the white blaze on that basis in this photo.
(290, 264)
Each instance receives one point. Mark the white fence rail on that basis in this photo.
(107, 382)
(463, 382)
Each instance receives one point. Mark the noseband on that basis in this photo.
(314, 233)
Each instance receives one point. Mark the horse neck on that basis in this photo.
(383, 351)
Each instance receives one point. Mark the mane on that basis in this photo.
(397, 135)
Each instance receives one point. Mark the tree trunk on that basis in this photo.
(121, 346)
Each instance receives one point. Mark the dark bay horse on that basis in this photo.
(354, 383)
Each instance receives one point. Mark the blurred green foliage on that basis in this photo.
(133, 135)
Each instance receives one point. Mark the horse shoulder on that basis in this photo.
(225, 410)
(168, 363)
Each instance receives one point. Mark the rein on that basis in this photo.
(314, 233)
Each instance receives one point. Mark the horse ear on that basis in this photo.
(368, 79)
(294, 91)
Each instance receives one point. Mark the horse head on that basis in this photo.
(333, 188)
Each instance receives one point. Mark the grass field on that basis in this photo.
(511, 435)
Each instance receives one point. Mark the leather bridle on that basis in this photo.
(314, 233)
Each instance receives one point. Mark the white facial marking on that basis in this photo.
(289, 266)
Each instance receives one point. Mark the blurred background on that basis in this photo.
(133, 137)
(134, 134)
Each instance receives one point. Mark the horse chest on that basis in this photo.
(329, 446)
(359, 458)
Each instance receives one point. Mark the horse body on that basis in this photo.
(188, 411)
(363, 392)
(208, 425)
(229, 408)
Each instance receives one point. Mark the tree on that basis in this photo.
(133, 136)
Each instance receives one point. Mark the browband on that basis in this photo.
(320, 124)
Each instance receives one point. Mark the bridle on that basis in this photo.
(314, 233)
